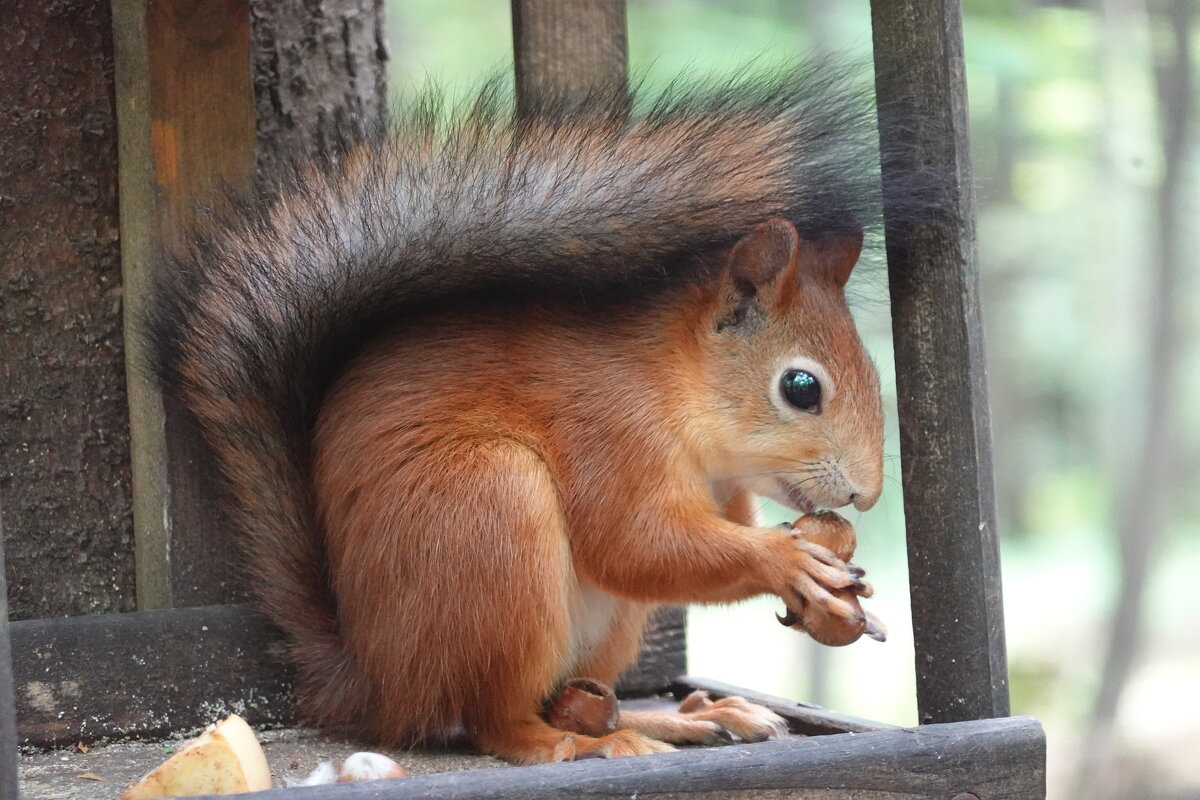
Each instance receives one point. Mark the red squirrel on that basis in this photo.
(486, 391)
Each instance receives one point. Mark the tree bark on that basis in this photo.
(320, 69)
(64, 427)
(64, 434)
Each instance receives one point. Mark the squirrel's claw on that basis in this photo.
(808, 590)
(875, 627)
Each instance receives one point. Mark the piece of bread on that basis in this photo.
(225, 759)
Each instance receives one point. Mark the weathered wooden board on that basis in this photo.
(206, 92)
(564, 50)
(803, 718)
(8, 720)
(144, 675)
(149, 674)
(663, 657)
(998, 758)
(945, 436)
(186, 116)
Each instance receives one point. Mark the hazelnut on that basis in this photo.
(583, 706)
(835, 533)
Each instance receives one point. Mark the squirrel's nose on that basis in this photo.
(863, 501)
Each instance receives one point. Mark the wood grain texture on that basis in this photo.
(149, 674)
(945, 437)
(564, 50)
(208, 92)
(144, 675)
(8, 718)
(64, 433)
(663, 657)
(1000, 758)
(187, 130)
(803, 718)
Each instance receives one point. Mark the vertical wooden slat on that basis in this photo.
(186, 127)
(565, 49)
(8, 713)
(945, 436)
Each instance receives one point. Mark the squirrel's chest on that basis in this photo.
(593, 614)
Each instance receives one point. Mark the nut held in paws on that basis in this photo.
(835, 533)
(830, 530)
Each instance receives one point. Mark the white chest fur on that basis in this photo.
(592, 614)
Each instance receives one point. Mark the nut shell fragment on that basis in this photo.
(583, 706)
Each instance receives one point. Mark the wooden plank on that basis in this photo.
(144, 675)
(64, 430)
(8, 719)
(186, 116)
(150, 674)
(945, 437)
(803, 718)
(663, 657)
(564, 50)
(999, 758)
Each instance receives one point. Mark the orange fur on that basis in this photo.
(506, 492)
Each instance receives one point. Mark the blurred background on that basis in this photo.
(1085, 132)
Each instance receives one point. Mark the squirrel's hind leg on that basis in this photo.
(451, 575)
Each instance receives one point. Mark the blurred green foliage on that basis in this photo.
(1067, 160)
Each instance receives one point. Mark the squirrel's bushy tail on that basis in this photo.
(252, 321)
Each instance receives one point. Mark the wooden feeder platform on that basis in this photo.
(124, 686)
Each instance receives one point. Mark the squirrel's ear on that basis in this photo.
(760, 271)
(765, 254)
(831, 260)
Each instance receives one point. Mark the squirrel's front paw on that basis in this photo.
(814, 573)
(822, 589)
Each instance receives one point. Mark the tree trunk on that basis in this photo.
(1144, 496)
(64, 429)
(64, 433)
(319, 68)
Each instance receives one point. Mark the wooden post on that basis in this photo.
(8, 713)
(563, 50)
(186, 74)
(945, 437)
(186, 116)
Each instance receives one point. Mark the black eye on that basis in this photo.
(801, 389)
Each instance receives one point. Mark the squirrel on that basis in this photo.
(486, 390)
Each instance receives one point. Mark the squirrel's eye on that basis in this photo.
(802, 390)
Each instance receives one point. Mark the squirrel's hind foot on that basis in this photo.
(533, 741)
(701, 720)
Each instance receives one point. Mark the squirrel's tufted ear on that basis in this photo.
(760, 274)
(831, 260)
(765, 254)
